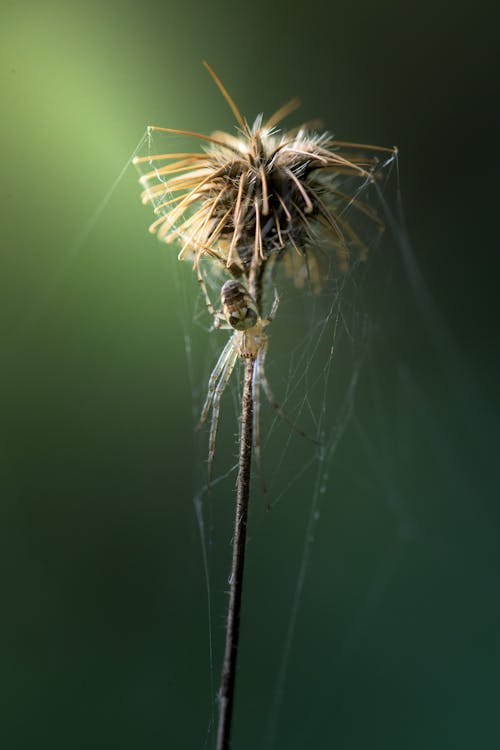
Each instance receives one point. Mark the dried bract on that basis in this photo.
(260, 195)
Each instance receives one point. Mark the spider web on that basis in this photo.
(330, 538)
(318, 365)
(319, 352)
(339, 513)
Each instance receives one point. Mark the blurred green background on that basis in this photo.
(104, 634)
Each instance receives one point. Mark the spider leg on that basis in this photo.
(221, 386)
(274, 309)
(216, 314)
(214, 379)
(270, 396)
(256, 419)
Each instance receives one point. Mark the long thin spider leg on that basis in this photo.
(274, 309)
(216, 314)
(270, 396)
(214, 378)
(221, 386)
(256, 420)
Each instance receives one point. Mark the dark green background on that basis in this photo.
(104, 639)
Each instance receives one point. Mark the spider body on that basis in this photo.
(248, 341)
(240, 311)
(238, 306)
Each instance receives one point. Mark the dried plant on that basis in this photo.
(245, 203)
(260, 194)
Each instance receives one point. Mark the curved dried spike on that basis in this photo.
(315, 124)
(284, 207)
(265, 193)
(282, 112)
(164, 157)
(258, 254)
(335, 158)
(302, 191)
(236, 112)
(348, 144)
(154, 226)
(170, 202)
(278, 229)
(236, 221)
(308, 154)
(201, 230)
(177, 231)
(220, 226)
(190, 134)
(179, 166)
(231, 141)
(177, 211)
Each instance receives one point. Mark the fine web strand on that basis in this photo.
(324, 459)
(296, 384)
(453, 365)
(299, 381)
(203, 541)
(299, 376)
(72, 252)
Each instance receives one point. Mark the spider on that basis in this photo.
(240, 314)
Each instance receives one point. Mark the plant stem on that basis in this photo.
(226, 693)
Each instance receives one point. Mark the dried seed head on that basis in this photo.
(259, 195)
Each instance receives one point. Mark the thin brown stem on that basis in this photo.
(226, 693)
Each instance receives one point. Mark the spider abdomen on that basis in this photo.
(238, 306)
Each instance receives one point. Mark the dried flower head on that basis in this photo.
(261, 195)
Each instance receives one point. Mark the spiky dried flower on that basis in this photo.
(254, 197)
